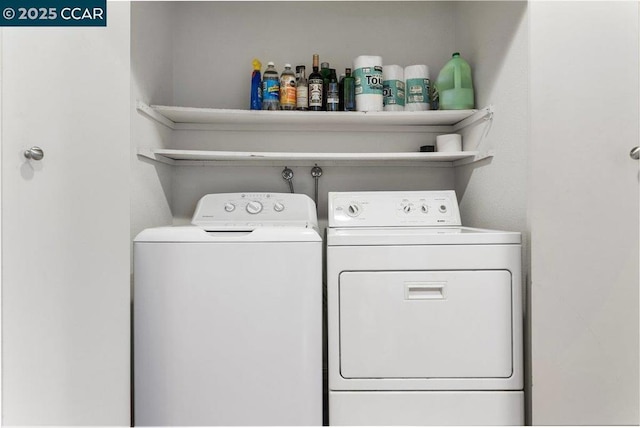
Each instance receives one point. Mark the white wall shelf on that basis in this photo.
(212, 157)
(192, 118)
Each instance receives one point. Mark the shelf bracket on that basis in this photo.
(476, 158)
(150, 154)
(485, 114)
(144, 108)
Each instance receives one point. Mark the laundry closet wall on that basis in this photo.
(213, 45)
(151, 77)
(494, 37)
(210, 67)
(198, 54)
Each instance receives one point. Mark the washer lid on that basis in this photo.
(419, 236)
(184, 234)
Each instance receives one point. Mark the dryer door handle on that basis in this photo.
(424, 290)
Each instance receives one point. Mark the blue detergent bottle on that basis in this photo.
(256, 86)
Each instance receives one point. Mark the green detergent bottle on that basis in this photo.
(454, 85)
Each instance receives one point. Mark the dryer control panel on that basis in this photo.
(393, 209)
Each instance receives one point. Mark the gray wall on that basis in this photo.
(199, 54)
(151, 77)
(493, 38)
(214, 43)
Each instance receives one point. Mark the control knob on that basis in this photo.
(424, 209)
(254, 207)
(353, 210)
(278, 207)
(229, 207)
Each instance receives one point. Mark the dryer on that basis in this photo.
(228, 315)
(424, 315)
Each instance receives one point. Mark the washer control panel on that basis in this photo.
(234, 211)
(389, 209)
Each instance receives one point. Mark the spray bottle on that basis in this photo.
(256, 86)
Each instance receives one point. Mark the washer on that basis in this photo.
(228, 315)
(424, 315)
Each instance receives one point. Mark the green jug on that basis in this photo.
(454, 85)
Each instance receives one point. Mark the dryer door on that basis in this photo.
(426, 324)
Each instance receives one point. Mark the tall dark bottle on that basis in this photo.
(324, 72)
(315, 86)
(349, 91)
(333, 94)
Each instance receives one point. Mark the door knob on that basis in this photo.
(35, 153)
(635, 153)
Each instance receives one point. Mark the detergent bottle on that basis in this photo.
(454, 85)
(256, 86)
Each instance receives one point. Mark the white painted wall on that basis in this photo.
(214, 43)
(151, 82)
(584, 212)
(494, 38)
(193, 182)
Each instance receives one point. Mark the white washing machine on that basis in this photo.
(424, 315)
(228, 315)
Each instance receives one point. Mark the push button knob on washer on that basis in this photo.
(229, 207)
(278, 207)
(254, 207)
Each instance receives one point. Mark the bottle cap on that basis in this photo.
(300, 67)
(324, 65)
(270, 64)
(287, 66)
(257, 64)
(347, 70)
(456, 54)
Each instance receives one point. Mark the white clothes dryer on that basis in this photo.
(228, 315)
(424, 315)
